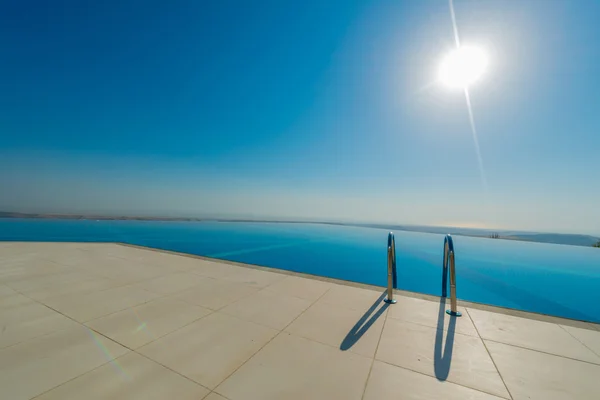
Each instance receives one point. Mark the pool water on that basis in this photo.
(551, 279)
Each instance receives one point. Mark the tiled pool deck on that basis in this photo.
(109, 321)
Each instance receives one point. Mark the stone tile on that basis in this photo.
(268, 308)
(125, 271)
(18, 277)
(254, 277)
(215, 293)
(442, 354)
(215, 396)
(291, 368)
(532, 334)
(171, 283)
(345, 328)
(209, 350)
(215, 270)
(539, 376)
(233, 273)
(145, 323)
(390, 382)
(85, 285)
(29, 320)
(6, 291)
(351, 297)
(432, 314)
(591, 339)
(173, 261)
(37, 365)
(85, 307)
(130, 377)
(63, 277)
(308, 289)
(14, 300)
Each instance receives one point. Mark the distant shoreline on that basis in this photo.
(553, 238)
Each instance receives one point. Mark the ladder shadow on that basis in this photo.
(443, 360)
(364, 323)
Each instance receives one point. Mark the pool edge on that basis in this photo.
(469, 304)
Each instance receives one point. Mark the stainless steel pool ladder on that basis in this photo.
(449, 259)
(392, 277)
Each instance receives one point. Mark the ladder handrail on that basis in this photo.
(449, 261)
(392, 276)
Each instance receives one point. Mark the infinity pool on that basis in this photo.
(545, 278)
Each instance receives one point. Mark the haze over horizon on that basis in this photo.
(310, 110)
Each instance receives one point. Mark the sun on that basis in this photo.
(463, 66)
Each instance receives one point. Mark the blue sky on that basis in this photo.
(312, 109)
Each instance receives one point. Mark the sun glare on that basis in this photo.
(463, 66)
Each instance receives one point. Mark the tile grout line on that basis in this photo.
(178, 329)
(173, 371)
(419, 372)
(542, 352)
(218, 394)
(120, 344)
(87, 328)
(574, 337)
(273, 338)
(446, 381)
(78, 376)
(375, 354)
(489, 354)
(432, 326)
(136, 352)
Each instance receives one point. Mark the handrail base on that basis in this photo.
(390, 301)
(454, 314)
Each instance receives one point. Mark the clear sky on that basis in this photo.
(308, 109)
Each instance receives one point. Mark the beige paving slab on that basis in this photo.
(210, 349)
(350, 329)
(390, 382)
(442, 354)
(74, 256)
(37, 365)
(232, 273)
(125, 271)
(172, 283)
(130, 377)
(6, 291)
(432, 314)
(173, 261)
(13, 300)
(254, 277)
(591, 339)
(537, 335)
(85, 285)
(137, 326)
(351, 297)
(216, 270)
(533, 375)
(291, 367)
(215, 293)
(29, 320)
(35, 282)
(308, 289)
(85, 307)
(36, 270)
(215, 396)
(268, 308)
(125, 252)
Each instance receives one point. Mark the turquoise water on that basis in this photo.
(551, 279)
